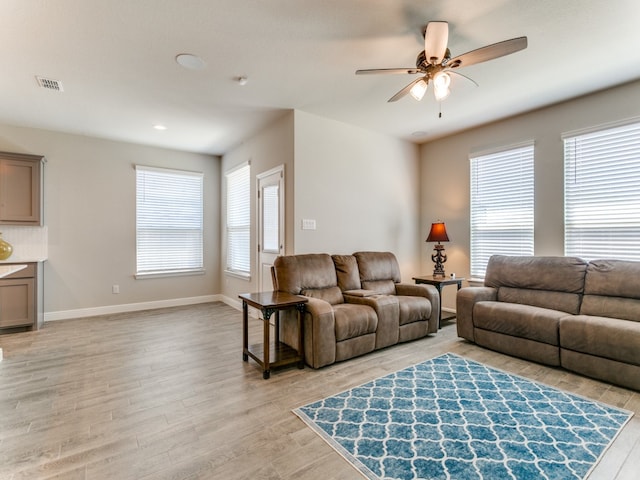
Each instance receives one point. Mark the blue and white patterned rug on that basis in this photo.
(454, 418)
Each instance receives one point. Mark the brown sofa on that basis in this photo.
(357, 304)
(559, 311)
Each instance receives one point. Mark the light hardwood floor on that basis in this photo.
(164, 394)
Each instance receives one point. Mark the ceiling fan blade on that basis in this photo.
(436, 37)
(489, 52)
(404, 91)
(410, 71)
(463, 76)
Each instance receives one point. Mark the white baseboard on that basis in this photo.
(131, 307)
(235, 303)
(134, 307)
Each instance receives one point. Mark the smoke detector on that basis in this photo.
(50, 84)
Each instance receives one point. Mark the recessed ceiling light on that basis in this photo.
(190, 61)
(159, 127)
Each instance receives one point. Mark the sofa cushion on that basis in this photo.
(377, 266)
(615, 278)
(614, 307)
(566, 302)
(333, 295)
(524, 321)
(354, 321)
(295, 273)
(413, 309)
(347, 272)
(559, 274)
(382, 287)
(601, 336)
(612, 289)
(519, 347)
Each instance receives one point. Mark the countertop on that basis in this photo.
(22, 259)
(6, 270)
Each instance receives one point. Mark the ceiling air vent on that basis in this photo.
(50, 84)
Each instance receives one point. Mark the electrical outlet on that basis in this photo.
(115, 289)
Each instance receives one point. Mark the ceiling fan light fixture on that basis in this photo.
(441, 94)
(419, 89)
(441, 82)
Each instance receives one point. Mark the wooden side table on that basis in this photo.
(266, 355)
(439, 283)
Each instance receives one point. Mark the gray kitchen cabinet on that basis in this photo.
(20, 189)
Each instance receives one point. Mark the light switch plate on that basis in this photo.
(308, 224)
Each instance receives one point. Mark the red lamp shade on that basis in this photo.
(438, 233)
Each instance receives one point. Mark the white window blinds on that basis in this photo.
(169, 221)
(602, 193)
(239, 220)
(502, 205)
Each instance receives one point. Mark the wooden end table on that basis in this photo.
(439, 283)
(266, 355)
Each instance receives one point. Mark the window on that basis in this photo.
(169, 225)
(602, 193)
(502, 204)
(271, 219)
(239, 221)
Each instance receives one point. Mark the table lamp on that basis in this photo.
(438, 233)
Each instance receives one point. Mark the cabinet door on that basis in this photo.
(16, 303)
(20, 191)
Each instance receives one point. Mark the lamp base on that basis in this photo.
(438, 258)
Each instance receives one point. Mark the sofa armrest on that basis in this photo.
(388, 312)
(360, 293)
(466, 298)
(319, 333)
(422, 290)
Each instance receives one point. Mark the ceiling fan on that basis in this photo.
(434, 63)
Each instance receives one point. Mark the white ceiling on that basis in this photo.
(116, 61)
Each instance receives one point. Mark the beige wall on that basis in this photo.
(445, 170)
(267, 149)
(361, 188)
(89, 196)
(366, 191)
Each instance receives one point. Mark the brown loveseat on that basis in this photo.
(560, 311)
(356, 304)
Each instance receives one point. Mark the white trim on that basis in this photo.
(237, 167)
(501, 148)
(597, 128)
(168, 273)
(128, 307)
(237, 304)
(237, 274)
(232, 302)
(165, 170)
(268, 173)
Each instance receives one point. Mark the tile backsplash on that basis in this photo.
(30, 244)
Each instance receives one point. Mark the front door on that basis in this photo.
(270, 223)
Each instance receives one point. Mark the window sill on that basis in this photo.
(179, 273)
(240, 275)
